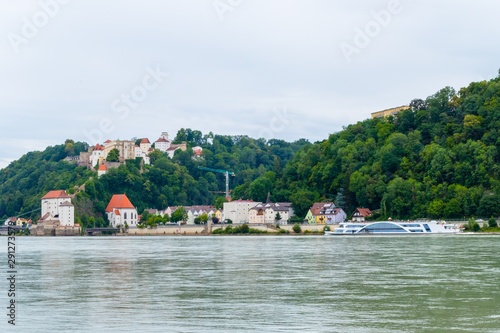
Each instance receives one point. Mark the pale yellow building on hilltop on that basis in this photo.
(389, 112)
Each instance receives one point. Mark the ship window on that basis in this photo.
(426, 226)
(383, 227)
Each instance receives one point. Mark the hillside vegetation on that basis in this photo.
(167, 182)
(438, 159)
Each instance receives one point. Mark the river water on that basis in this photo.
(255, 284)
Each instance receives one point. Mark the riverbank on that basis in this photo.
(204, 230)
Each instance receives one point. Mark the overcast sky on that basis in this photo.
(91, 70)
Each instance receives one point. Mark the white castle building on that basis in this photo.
(57, 206)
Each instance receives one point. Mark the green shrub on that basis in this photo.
(219, 231)
(296, 228)
(492, 223)
(244, 229)
(307, 232)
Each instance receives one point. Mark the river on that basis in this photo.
(254, 284)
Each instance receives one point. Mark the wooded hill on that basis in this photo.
(438, 159)
(167, 182)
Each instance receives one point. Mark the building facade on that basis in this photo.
(238, 210)
(120, 211)
(267, 213)
(56, 206)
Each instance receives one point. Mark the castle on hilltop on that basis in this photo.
(127, 150)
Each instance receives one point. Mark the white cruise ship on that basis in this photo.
(394, 228)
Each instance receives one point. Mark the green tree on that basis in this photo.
(340, 198)
(277, 217)
(180, 215)
(219, 202)
(204, 217)
(492, 223)
(113, 155)
(259, 188)
(296, 228)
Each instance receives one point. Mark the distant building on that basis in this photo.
(21, 222)
(96, 155)
(197, 151)
(334, 215)
(265, 213)
(316, 214)
(57, 207)
(142, 150)
(361, 214)
(103, 169)
(120, 211)
(126, 149)
(164, 144)
(145, 145)
(238, 210)
(389, 112)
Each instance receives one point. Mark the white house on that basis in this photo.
(163, 143)
(145, 145)
(266, 213)
(334, 215)
(360, 214)
(96, 156)
(238, 210)
(120, 211)
(56, 205)
(141, 153)
(103, 169)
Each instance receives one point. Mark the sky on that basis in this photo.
(93, 70)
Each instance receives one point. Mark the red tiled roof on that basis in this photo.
(103, 167)
(59, 194)
(145, 140)
(318, 206)
(119, 201)
(365, 212)
(117, 212)
(161, 140)
(98, 147)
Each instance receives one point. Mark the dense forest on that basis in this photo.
(437, 159)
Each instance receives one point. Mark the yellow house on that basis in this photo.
(218, 214)
(316, 213)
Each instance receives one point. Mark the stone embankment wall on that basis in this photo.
(53, 230)
(169, 230)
